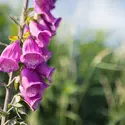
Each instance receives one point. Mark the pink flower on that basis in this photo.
(46, 53)
(45, 71)
(32, 87)
(41, 33)
(31, 53)
(10, 57)
(44, 5)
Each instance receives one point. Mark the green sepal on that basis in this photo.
(26, 35)
(13, 38)
(30, 9)
(29, 19)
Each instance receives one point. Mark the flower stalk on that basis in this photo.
(28, 54)
(9, 88)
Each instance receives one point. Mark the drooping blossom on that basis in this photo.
(44, 8)
(32, 87)
(41, 33)
(31, 53)
(46, 71)
(44, 5)
(10, 57)
(52, 25)
(46, 53)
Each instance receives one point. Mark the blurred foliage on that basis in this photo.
(88, 85)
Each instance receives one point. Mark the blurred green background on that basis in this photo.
(88, 85)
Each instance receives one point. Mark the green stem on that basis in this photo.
(7, 98)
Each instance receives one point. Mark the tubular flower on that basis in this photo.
(45, 71)
(44, 8)
(32, 87)
(10, 57)
(41, 33)
(51, 20)
(44, 5)
(31, 53)
(52, 24)
(46, 53)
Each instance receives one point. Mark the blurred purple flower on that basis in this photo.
(32, 87)
(10, 57)
(45, 71)
(31, 53)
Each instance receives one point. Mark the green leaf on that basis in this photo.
(18, 105)
(16, 82)
(12, 121)
(17, 98)
(25, 36)
(30, 9)
(72, 116)
(16, 85)
(29, 19)
(2, 113)
(22, 112)
(23, 123)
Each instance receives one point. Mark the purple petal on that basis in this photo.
(32, 60)
(12, 51)
(33, 102)
(36, 28)
(29, 77)
(36, 88)
(8, 65)
(45, 70)
(52, 22)
(31, 54)
(44, 5)
(46, 53)
(43, 38)
(41, 33)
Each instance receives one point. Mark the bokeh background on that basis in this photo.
(89, 55)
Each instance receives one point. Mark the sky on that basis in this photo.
(108, 15)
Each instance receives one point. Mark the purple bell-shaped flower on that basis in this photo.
(32, 87)
(41, 33)
(46, 71)
(10, 57)
(31, 53)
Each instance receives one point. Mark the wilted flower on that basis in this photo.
(10, 57)
(45, 71)
(41, 33)
(32, 87)
(31, 53)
